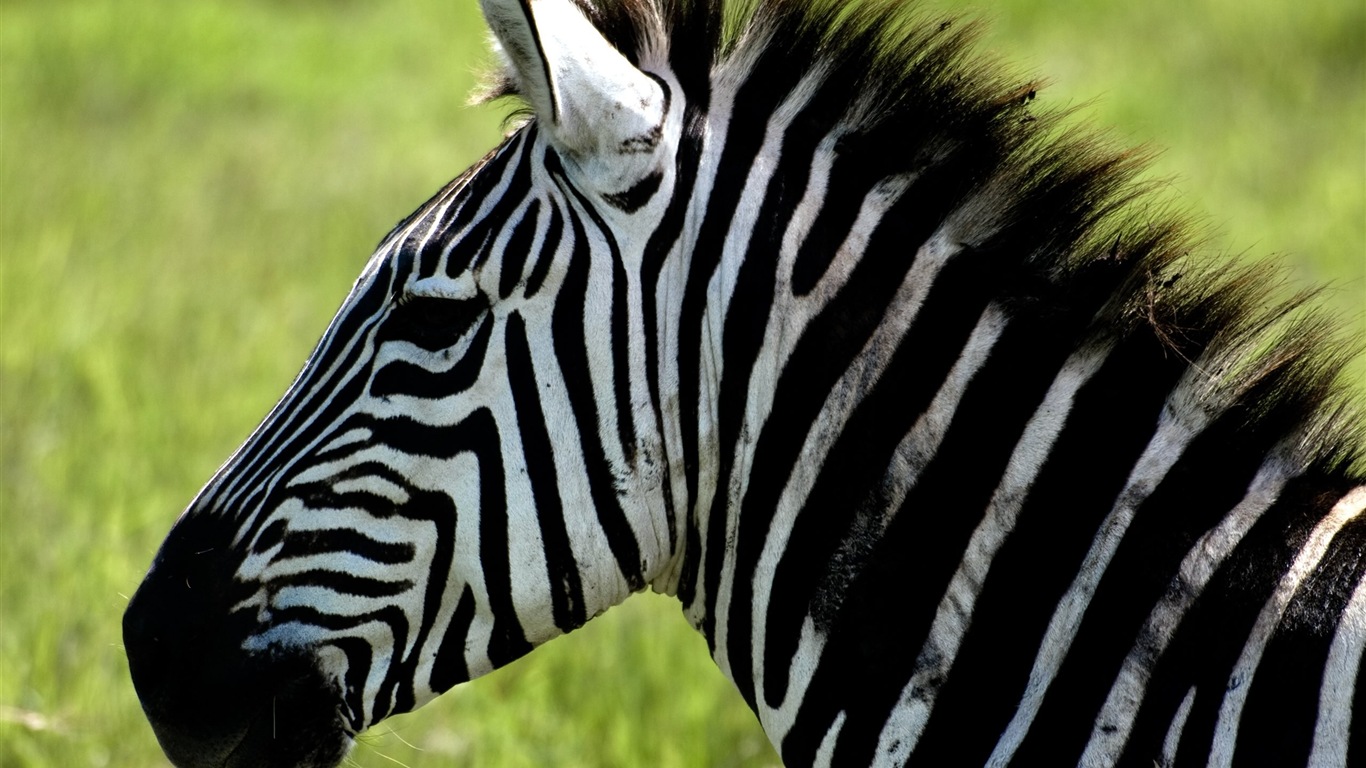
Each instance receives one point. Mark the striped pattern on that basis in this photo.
(952, 456)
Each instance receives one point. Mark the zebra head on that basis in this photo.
(461, 471)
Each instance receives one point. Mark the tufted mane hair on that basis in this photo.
(1055, 212)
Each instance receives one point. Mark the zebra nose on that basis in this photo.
(192, 683)
(211, 702)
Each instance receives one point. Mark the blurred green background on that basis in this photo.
(188, 188)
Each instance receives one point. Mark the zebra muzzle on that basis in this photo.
(211, 702)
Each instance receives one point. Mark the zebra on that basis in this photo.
(807, 316)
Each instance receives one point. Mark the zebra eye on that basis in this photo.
(435, 322)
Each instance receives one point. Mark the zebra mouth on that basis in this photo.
(291, 731)
(259, 745)
(267, 743)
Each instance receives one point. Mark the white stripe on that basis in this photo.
(810, 646)
(1183, 417)
(844, 397)
(1173, 738)
(1240, 680)
(826, 752)
(908, 458)
(720, 289)
(1116, 717)
(1339, 681)
(907, 721)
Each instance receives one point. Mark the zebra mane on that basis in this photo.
(1055, 211)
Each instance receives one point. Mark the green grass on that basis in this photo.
(187, 190)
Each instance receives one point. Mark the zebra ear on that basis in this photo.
(601, 111)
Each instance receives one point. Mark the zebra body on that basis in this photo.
(948, 451)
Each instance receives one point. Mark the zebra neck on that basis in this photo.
(897, 414)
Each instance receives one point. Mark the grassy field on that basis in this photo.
(187, 189)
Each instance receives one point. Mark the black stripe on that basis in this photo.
(424, 225)
(416, 438)
(549, 246)
(566, 591)
(475, 244)
(640, 193)
(540, 53)
(488, 173)
(357, 652)
(1071, 494)
(438, 509)
(568, 334)
(400, 377)
(838, 517)
(829, 344)
(331, 540)
(620, 323)
(752, 106)
(851, 178)
(747, 319)
(449, 668)
(517, 250)
(1210, 478)
(937, 518)
(657, 248)
(272, 534)
(484, 177)
(321, 496)
(478, 434)
(1211, 639)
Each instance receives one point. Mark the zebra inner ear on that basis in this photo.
(605, 116)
